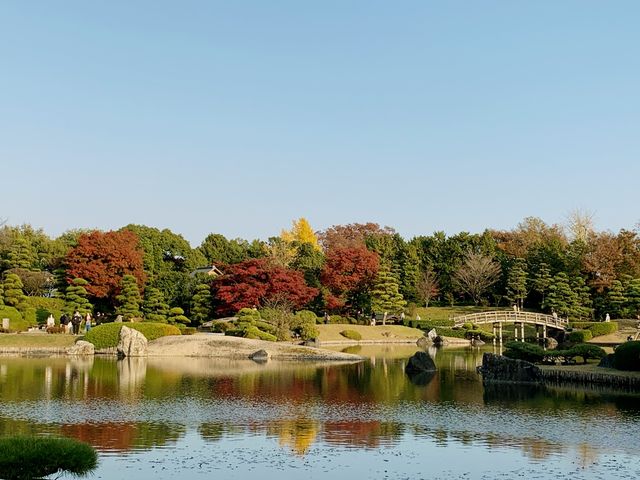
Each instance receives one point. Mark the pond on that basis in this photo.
(202, 418)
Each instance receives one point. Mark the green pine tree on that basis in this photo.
(176, 316)
(21, 254)
(13, 293)
(584, 306)
(201, 310)
(561, 298)
(154, 307)
(1, 294)
(410, 273)
(632, 294)
(75, 298)
(129, 298)
(615, 298)
(542, 281)
(517, 282)
(385, 295)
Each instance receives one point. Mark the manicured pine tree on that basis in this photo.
(517, 282)
(584, 306)
(13, 294)
(201, 310)
(154, 307)
(561, 298)
(129, 298)
(1, 294)
(542, 281)
(21, 254)
(615, 298)
(176, 316)
(410, 273)
(385, 296)
(632, 294)
(75, 297)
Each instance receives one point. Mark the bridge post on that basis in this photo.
(544, 333)
(494, 334)
(522, 330)
(500, 330)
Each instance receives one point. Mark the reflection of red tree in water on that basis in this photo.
(118, 437)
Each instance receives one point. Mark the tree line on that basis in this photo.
(351, 270)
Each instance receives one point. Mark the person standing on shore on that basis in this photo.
(76, 320)
(87, 322)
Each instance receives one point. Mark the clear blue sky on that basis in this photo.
(237, 117)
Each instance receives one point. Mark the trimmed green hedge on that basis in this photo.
(597, 328)
(108, 334)
(627, 356)
(16, 322)
(351, 335)
(579, 336)
(536, 354)
(45, 306)
(23, 457)
(255, 334)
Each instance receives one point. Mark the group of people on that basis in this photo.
(72, 324)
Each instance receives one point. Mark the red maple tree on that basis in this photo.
(255, 282)
(103, 258)
(347, 272)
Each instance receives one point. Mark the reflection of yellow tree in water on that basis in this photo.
(298, 434)
(588, 455)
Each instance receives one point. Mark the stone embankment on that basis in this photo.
(499, 369)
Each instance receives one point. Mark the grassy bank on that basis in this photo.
(36, 340)
(379, 333)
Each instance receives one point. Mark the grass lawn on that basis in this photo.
(36, 340)
(331, 333)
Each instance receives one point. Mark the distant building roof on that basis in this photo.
(208, 270)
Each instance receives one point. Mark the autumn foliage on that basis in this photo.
(103, 259)
(255, 282)
(348, 271)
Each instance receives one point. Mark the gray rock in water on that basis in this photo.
(81, 347)
(439, 341)
(260, 356)
(132, 343)
(496, 368)
(423, 342)
(419, 363)
(432, 334)
(607, 362)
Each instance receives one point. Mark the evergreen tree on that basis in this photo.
(154, 307)
(176, 316)
(385, 295)
(75, 297)
(517, 282)
(584, 306)
(561, 298)
(129, 298)
(410, 272)
(201, 310)
(1, 294)
(615, 298)
(542, 281)
(13, 293)
(632, 294)
(21, 254)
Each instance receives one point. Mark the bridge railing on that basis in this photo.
(508, 316)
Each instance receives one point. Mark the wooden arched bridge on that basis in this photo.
(541, 321)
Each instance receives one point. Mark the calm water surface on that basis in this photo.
(202, 418)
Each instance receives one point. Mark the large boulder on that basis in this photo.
(551, 342)
(260, 356)
(81, 348)
(132, 343)
(423, 342)
(432, 334)
(496, 368)
(420, 362)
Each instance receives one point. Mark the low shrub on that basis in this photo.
(56, 329)
(266, 327)
(308, 331)
(579, 336)
(484, 336)
(25, 457)
(45, 306)
(450, 332)
(222, 327)
(586, 351)
(107, 334)
(186, 330)
(249, 315)
(306, 316)
(524, 351)
(16, 321)
(627, 356)
(257, 334)
(597, 328)
(351, 335)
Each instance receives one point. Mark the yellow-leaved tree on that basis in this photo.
(301, 233)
